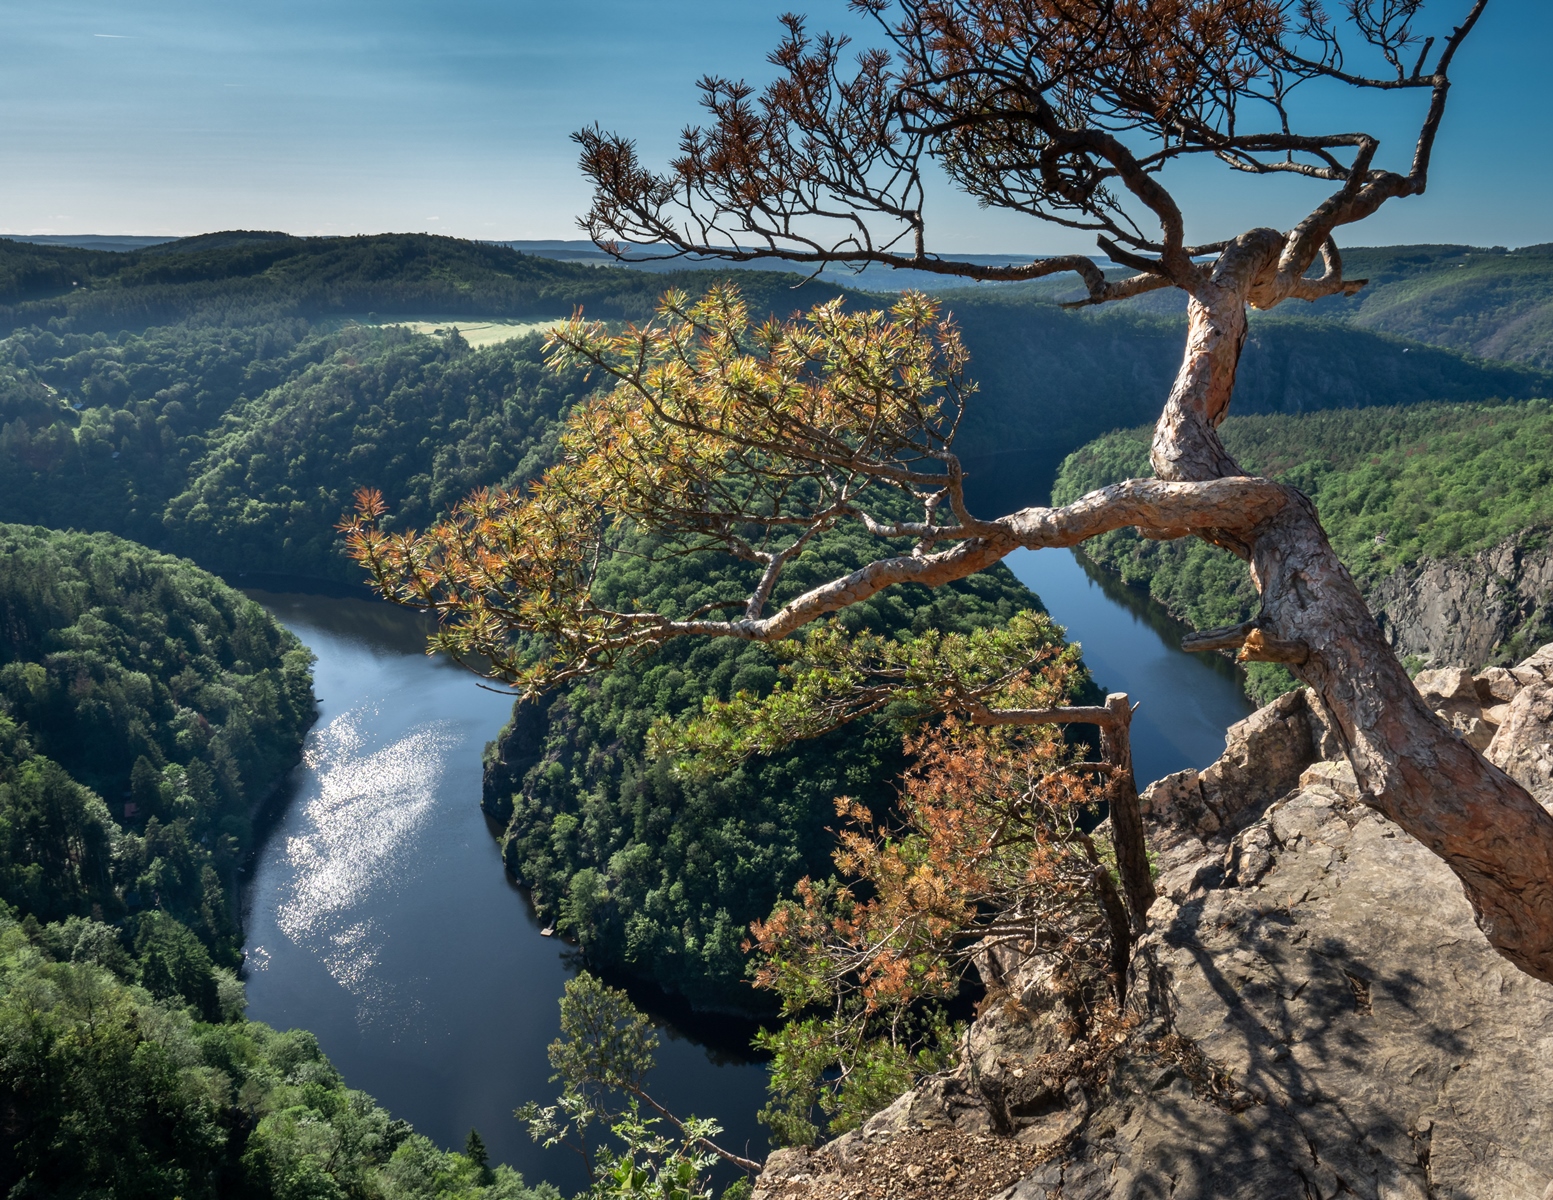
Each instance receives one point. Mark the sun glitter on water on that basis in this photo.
(356, 845)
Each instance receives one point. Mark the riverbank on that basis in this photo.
(1440, 511)
(379, 917)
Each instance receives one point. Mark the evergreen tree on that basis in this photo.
(475, 1152)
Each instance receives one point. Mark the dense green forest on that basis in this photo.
(659, 875)
(108, 1088)
(101, 434)
(241, 447)
(238, 440)
(145, 709)
(425, 420)
(221, 397)
(1393, 486)
(208, 397)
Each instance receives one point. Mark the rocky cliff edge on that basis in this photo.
(1313, 1013)
(1469, 608)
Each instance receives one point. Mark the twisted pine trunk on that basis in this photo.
(1410, 766)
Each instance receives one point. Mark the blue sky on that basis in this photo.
(346, 116)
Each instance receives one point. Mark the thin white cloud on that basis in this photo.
(120, 37)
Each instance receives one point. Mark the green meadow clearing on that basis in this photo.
(479, 333)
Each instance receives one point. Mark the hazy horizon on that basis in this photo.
(582, 242)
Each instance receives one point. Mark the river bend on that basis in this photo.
(379, 917)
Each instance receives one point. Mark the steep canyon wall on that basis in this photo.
(1489, 607)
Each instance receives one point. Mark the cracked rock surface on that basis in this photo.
(1522, 746)
(1331, 966)
(1321, 1016)
(1464, 608)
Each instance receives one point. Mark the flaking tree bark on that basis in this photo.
(1040, 106)
(1409, 764)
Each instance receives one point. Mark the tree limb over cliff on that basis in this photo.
(1069, 111)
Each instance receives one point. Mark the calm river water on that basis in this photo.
(1132, 645)
(379, 917)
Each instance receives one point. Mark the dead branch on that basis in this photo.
(1114, 720)
(1227, 637)
(1264, 647)
(1254, 644)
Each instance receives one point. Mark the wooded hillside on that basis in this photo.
(210, 397)
(145, 710)
(234, 429)
(1394, 486)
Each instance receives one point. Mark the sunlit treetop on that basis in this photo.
(715, 435)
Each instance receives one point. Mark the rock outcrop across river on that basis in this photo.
(1315, 1012)
(1469, 608)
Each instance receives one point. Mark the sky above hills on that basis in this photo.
(342, 116)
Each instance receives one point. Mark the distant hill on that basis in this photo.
(221, 318)
(243, 277)
(869, 278)
(122, 242)
(1495, 303)
(1485, 301)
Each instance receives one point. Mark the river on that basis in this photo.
(1185, 701)
(379, 917)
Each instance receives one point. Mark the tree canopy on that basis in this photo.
(110, 1088)
(1071, 111)
(145, 710)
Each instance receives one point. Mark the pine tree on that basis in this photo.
(475, 1152)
